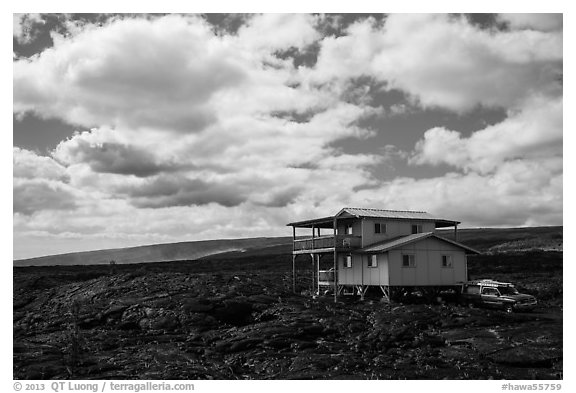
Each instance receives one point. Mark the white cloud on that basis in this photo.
(22, 26)
(533, 132)
(444, 61)
(272, 32)
(31, 195)
(198, 135)
(518, 193)
(512, 176)
(107, 151)
(40, 184)
(29, 165)
(133, 72)
(543, 22)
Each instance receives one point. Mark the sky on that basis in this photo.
(133, 129)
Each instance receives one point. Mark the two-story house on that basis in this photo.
(385, 248)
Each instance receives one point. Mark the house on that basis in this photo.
(390, 249)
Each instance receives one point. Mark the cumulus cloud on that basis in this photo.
(445, 61)
(543, 22)
(512, 171)
(31, 195)
(105, 152)
(135, 72)
(167, 191)
(198, 132)
(533, 132)
(518, 193)
(39, 184)
(23, 26)
(29, 165)
(240, 159)
(289, 31)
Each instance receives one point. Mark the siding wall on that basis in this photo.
(356, 228)
(360, 273)
(428, 270)
(394, 228)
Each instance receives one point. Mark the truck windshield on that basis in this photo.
(508, 290)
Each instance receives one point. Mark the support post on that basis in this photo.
(313, 237)
(362, 289)
(294, 273)
(456, 232)
(293, 260)
(318, 256)
(385, 291)
(362, 267)
(335, 262)
(313, 274)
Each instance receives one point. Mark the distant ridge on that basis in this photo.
(499, 240)
(488, 240)
(156, 252)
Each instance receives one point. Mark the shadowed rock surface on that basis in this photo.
(238, 319)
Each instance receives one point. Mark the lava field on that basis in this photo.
(239, 319)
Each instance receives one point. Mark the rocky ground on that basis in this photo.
(240, 320)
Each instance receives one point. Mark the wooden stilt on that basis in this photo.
(335, 262)
(386, 291)
(318, 274)
(293, 273)
(362, 289)
(313, 274)
(293, 260)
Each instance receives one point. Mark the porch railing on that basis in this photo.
(326, 276)
(340, 242)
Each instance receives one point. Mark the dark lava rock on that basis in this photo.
(234, 312)
(525, 357)
(245, 344)
(197, 306)
(278, 343)
(183, 321)
(164, 322)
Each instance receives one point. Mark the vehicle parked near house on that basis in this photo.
(495, 294)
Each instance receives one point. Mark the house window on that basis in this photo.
(373, 261)
(379, 227)
(348, 261)
(416, 228)
(447, 261)
(349, 229)
(408, 260)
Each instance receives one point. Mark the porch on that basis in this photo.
(328, 243)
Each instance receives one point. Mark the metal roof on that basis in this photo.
(324, 222)
(327, 222)
(403, 240)
(393, 214)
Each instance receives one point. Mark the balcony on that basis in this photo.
(327, 244)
